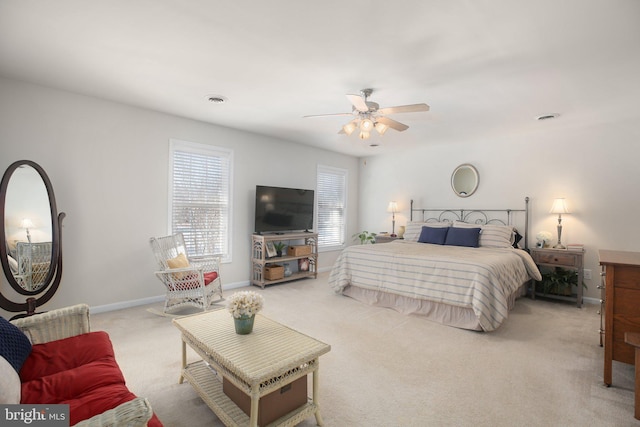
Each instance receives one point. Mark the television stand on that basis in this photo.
(302, 254)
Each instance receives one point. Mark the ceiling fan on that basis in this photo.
(369, 115)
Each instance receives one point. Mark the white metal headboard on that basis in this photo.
(475, 216)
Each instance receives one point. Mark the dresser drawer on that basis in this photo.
(564, 259)
(628, 278)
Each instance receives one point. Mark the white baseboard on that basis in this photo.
(151, 300)
(589, 300)
(125, 304)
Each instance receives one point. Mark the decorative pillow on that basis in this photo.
(180, 261)
(15, 347)
(13, 264)
(516, 238)
(492, 236)
(459, 236)
(435, 235)
(414, 229)
(10, 390)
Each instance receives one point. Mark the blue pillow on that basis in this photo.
(435, 235)
(463, 237)
(14, 344)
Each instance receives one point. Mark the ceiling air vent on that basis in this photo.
(216, 99)
(547, 116)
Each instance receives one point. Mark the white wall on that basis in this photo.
(594, 166)
(108, 164)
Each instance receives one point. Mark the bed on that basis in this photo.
(434, 272)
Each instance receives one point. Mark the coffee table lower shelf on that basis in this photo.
(209, 387)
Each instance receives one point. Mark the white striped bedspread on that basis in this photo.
(477, 278)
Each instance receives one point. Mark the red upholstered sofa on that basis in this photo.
(68, 364)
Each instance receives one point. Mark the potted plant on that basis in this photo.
(279, 247)
(365, 237)
(558, 282)
(244, 306)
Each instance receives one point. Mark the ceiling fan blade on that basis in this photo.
(327, 115)
(413, 108)
(358, 103)
(392, 124)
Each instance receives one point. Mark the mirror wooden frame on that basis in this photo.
(476, 175)
(52, 280)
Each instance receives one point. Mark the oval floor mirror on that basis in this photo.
(30, 250)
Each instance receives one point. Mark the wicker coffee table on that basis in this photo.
(269, 358)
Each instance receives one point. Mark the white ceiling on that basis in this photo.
(486, 67)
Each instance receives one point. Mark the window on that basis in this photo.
(200, 197)
(332, 204)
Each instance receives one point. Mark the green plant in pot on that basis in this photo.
(364, 237)
(558, 282)
(279, 247)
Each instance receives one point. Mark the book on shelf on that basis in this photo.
(575, 247)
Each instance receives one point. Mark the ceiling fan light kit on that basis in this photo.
(349, 128)
(369, 115)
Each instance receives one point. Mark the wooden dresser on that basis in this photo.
(621, 271)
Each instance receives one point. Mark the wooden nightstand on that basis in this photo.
(571, 260)
(386, 238)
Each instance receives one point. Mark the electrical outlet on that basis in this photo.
(587, 274)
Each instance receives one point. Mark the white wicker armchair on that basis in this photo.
(33, 264)
(68, 322)
(188, 281)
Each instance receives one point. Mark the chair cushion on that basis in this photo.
(210, 277)
(80, 371)
(192, 282)
(14, 344)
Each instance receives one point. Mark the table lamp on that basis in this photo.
(559, 207)
(27, 224)
(393, 208)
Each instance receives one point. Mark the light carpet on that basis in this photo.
(542, 367)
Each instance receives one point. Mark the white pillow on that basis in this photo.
(13, 264)
(10, 390)
(491, 235)
(413, 229)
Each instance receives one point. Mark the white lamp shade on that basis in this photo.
(559, 207)
(364, 135)
(393, 207)
(349, 128)
(26, 223)
(366, 125)
(381, 128)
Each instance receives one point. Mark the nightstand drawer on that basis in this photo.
(563, 259)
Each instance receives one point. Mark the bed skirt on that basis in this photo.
(449, 315)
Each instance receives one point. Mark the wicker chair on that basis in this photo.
(33, 264)
(68, 322)
(189, 281)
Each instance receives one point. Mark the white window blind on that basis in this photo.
(332, 203)
(200, 197)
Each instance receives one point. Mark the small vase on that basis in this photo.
(244, 324)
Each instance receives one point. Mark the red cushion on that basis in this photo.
(80, 371)
(210, 277)
(60, 355)
(191, 281)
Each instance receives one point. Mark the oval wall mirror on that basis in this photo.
(29, 236)
(465, 180)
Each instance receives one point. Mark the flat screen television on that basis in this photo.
(281, 209)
